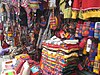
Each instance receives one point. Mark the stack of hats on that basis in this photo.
(57, 57)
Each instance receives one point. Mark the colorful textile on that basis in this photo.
(98, 51)
(66, 11)
(22, 56)
(18, 65)
(96, 65)
(57, 58)
(85, 29)
(53, 22)
(25, 70)
(90, 8)
(78, 33)
(83, 4)
(83, 42)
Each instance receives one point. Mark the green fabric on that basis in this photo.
(10, 73)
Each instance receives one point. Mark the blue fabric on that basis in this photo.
(41, 7)
(92, 24)
(34, 69)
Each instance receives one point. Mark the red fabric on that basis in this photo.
(1, 26)
(5, 45)
(83, 43)
(77, 4)
(86, 4)
(1, 37)
(21, 70)
(18, 68)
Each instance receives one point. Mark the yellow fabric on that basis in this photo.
(66, 35)
(80, 14)
(68, 56)
(91, 13)
(85, 14)
(96, 65)
(98, 51)
(21, 56)
(67, 12)
(10, 34)
(74, 14)
(68, 51)
(84, 51)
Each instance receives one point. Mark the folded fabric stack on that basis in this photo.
(59, 57)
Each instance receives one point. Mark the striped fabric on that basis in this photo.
(57, 61)
(53, 22)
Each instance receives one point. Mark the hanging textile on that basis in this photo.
(89, 8)
(53, 22)
(34, 4)
(23, 17)
(67, 11)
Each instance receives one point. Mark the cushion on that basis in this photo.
(18, 65)
(25, 70)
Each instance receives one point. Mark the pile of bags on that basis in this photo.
(20, 65)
